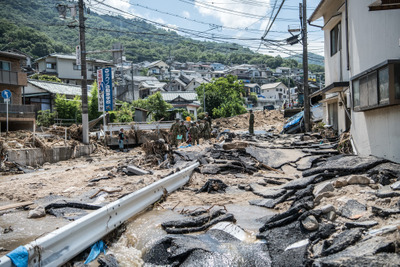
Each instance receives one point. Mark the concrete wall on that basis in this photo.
(36, 156)
(377, 132)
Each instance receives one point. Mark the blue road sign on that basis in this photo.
(6, 94)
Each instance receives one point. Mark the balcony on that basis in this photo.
(16, 111)
(13, 78)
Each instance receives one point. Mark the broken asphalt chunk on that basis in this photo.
(213, 186)
(353, 209)
(342, 241)
(274, 158)
(136, 171)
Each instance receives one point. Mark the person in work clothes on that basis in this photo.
(207, 130)
(121, 138)
(182, 131)
(251, 122)
(194, 134)
(208, 119)
(174, 131)
(200, 128)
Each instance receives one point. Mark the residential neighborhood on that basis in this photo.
(199, 133)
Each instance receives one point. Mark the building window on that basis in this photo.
(76, 67)
(5, 65)
(336, 39)
(51, 66)
(377, 88)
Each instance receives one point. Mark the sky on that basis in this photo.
(235, 21)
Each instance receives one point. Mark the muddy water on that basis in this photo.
(144, 230)
(25, 230)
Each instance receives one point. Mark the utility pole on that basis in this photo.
(85, 113)
(303, 12)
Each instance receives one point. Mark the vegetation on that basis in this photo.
(68, 108)
(93, 104)
(45, 118)
(42, 33)
(124, 113)
(44, 77)
(223, 96)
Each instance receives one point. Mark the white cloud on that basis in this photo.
(123, 5)
(233, 20)
(186, 14)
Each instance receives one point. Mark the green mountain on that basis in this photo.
(34, 27)
(312, 59)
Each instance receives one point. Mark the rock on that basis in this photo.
(365, 224)
(38, 212)
(322, 188)
(343, 240)
(327, 208)
(353, 209)
(340, 183)
(310, 223)
(318, 198)
(331, 216)
(395, 186)
(358, 179)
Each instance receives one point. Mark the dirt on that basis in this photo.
(263, 120)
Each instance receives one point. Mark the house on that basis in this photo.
(147, 88)
(277, 91)
(217, 66)
(362, 64)
(186, 100)
(185, 83)
(130, 91)
(252, 88)
(13, 79)
(157, 68)
(42, 94)
(66, 69)
(282, 71)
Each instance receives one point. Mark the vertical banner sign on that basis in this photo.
(100, 88)
(107, 80)
(78, 55)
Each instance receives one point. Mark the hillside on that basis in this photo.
(312, 59)
(33, 27)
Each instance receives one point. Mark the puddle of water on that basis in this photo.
(144, 230)
(25, 230)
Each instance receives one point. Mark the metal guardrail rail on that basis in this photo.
(63, 244)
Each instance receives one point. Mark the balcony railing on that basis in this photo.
(13, 78)
(16, 109)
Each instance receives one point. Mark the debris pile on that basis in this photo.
(264, 120)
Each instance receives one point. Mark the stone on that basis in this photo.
(318, 198)
(340, 183)
(38, 212)
(327, 208)
(353, 209)
(358, 179)
(365, 224)
(395, 186)
(322, 188)
(310, 223)
(331, 216)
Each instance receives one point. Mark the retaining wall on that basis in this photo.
(37, 156)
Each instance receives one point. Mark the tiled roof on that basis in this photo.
(57, 88)
(169, 96)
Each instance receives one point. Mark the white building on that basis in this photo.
(362, 65)
(277, 91)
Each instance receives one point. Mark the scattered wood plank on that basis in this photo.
(16, 205)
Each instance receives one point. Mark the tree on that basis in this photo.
(157, 106)
(94, 103)
(223, 96)
(68, 108)
(124, 113)
(45, 118)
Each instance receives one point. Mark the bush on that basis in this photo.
(45, 118)
(201, 115)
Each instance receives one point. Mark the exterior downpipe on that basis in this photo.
(61, 245)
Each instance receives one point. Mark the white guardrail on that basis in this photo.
(63, 244)
(115, 127)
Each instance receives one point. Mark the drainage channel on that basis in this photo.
(65, 243)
